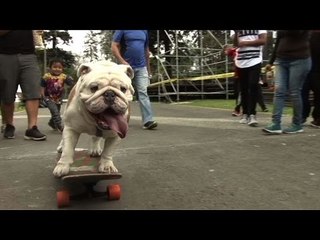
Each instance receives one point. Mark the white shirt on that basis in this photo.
(248, 56)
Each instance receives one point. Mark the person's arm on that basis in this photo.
(43, 84)
(147, 53)
(148, 62)
(42, 92)
(273, 54)
(43, 87)
(115, 49)
(230, 51)
(234, 37)
(254, 43)
(69, 81)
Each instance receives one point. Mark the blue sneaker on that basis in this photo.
(273, 128)
(293, 129)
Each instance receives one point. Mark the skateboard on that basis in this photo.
(84, 171)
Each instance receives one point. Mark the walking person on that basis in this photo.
(19, 66)
(52, 91)
(248, 62)
(291, 57)
(131, 47)
(237, 94)
(312, 83)
(232, 52)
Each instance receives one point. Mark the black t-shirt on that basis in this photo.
(293, 44)
(315, 48)
(17, 41)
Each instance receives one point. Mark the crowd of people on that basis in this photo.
(295, 60)
(19, 67)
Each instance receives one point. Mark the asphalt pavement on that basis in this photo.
(197, 159)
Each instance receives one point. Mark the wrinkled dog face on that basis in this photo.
(100, 99)
(106, 91)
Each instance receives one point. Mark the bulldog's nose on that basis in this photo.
(109, 95)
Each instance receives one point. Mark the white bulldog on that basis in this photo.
(98, 105)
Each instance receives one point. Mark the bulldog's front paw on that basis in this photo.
(61, 169)
(107, 167)
(95, 148)
(95, 152)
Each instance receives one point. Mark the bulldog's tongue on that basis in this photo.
(115, 122)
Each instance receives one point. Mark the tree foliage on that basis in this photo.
(55, 36)
(51, 39)
(105, 42)
(92, 43)
(180, 50)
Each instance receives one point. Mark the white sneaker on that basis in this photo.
(244, 119)
(252, 121)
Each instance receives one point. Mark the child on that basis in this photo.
(52, 90)
(232, 52)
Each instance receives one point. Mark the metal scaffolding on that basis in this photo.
(193, 66)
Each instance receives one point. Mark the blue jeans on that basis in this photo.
(55, 113)
(141, 81)
(289, 78)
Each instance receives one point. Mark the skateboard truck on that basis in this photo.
(113, 192)
(84, 170)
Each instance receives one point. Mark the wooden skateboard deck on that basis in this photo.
(84, 170)
(87, 177)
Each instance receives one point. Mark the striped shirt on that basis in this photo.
(248, 56)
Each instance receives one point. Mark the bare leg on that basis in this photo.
(32, 108)
(3, 125)
(7, 110)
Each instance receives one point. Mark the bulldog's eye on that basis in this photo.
(94, 89)
(123, 89)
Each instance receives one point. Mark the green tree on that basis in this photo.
(164, 42)
(105, 43)
(160, 41)
(92, 43)
(53, 51)
(67, 57)
(56, 36)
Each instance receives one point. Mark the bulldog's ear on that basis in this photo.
(128, 70)
(129, 93)
(83, 69)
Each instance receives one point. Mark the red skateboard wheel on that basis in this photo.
(63, 198)
(113, 192)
